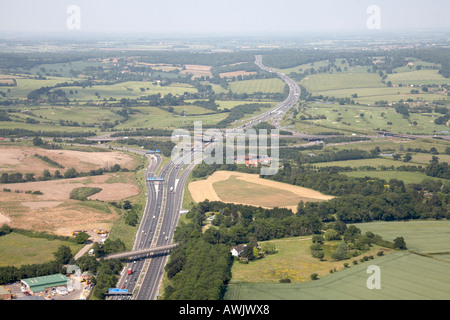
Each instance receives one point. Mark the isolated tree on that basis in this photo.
(399, 243)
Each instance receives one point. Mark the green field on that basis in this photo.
(88, 115)
(63, 69)
(274, 85)
(404, 275)
(388, 145)
(368, 96)
(421, 236)
(358, 118)
(130, 89)
(17, 249)
(418, 160)
(152, 117)
(326, 82)
(369, 86)
(406, 177)
(293, 260)
(422, 77)
(25, 86)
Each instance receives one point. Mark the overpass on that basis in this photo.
(136, 253)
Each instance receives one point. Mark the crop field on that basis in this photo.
(242, 188)
(17, 249)
(261, 85)
(427, 237)
(54, 212)
(236, 74)
(403, 275)
(197, 71)
(23, 159)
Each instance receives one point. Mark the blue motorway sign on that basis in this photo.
(115, 290)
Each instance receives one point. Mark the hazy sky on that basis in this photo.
(222, 16)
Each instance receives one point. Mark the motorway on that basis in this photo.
(162, 211)
(276, 113)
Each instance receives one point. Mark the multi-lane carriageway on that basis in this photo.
(163, 206)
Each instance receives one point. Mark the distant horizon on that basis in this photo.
(215, 18)
(145, 35)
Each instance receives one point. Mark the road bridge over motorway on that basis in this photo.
(136, 253)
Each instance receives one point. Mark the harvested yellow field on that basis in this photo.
(23, 159)
(53, 210)
(197, 70)
(250, 189)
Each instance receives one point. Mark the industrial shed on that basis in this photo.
(38, 284)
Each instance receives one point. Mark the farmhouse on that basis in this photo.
(38, 284)
(237, 250)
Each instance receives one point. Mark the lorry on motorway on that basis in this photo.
(130, 271)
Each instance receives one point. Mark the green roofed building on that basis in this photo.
(43, 283)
